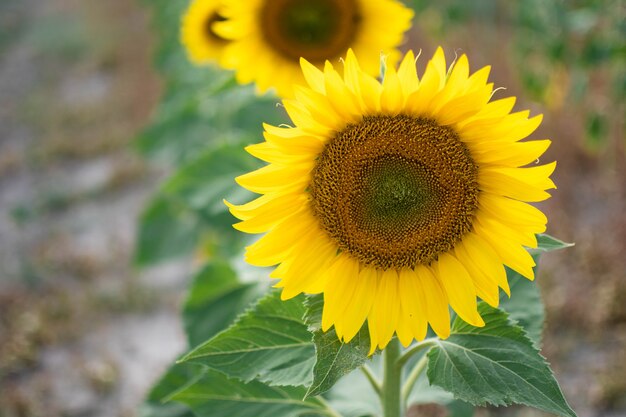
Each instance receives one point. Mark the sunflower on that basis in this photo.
(269, 36)
(397, 199)
(202, 43)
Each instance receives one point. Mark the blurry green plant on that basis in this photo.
(566, 53)
(272, 359)
(200, 128)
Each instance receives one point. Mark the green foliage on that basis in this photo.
(214, 395)
(270, 343)
(177, 376)
(334, 359)
(524, 306)
(496, 364)
(566, 54)
(216, 298)
(167, 228)
(201, 107)
(547, 243)
(273, 360)
(189, 206)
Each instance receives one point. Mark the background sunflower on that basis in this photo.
(202, 43)
(268, 37)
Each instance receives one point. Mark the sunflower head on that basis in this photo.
(397, 199)
(269, 36)
(202, 43)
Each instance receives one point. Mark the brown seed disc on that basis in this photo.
(209, 33)
(395, 191)
(314, 29)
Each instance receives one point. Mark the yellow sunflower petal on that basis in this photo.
(486, 259)
(276, 244)
(526, 184)
(436, 302)
(459, 288)
(360, 304)
(272, 177)
(290, 53)
(407, 72)
(524, 236)
(514, 154)
(413, 302)
(385, 310)
(511, 253)
(391, 99)
(274, 211)
(202, 42)
(513, 212)
(305, 270)
(313, 76)
(340, 280)
(486, 287)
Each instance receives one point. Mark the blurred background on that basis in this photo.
(89, 301)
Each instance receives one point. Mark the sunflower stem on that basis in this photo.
(408, 354)
(392, 378)
(412, 378)
(329, 410)
(372, 379)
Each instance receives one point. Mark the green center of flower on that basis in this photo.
(395, 191)
(314, 29)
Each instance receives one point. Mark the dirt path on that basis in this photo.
(81, 332)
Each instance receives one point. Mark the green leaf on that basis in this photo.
(214, 395)
(495, 364)
(204, 182)
(547, 243)
(166, 229)
(216, 298)
(334, 358)
(525, 305)
(164, 410)
(424, 393)
(176, 377)
(269, 343)
(353, 396)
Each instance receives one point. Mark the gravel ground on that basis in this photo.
(81, 332)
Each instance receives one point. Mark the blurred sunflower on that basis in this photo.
(201, 42)
(397, 199)
(269, 36)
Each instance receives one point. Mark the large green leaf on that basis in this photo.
(189, 207)
(353, 396)
(270, 343)
(216, 297)
(214, 395)
(167, 228)
(176, 377)
(204, 182)
(525, 305)
(496, 364)
(334, 358)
